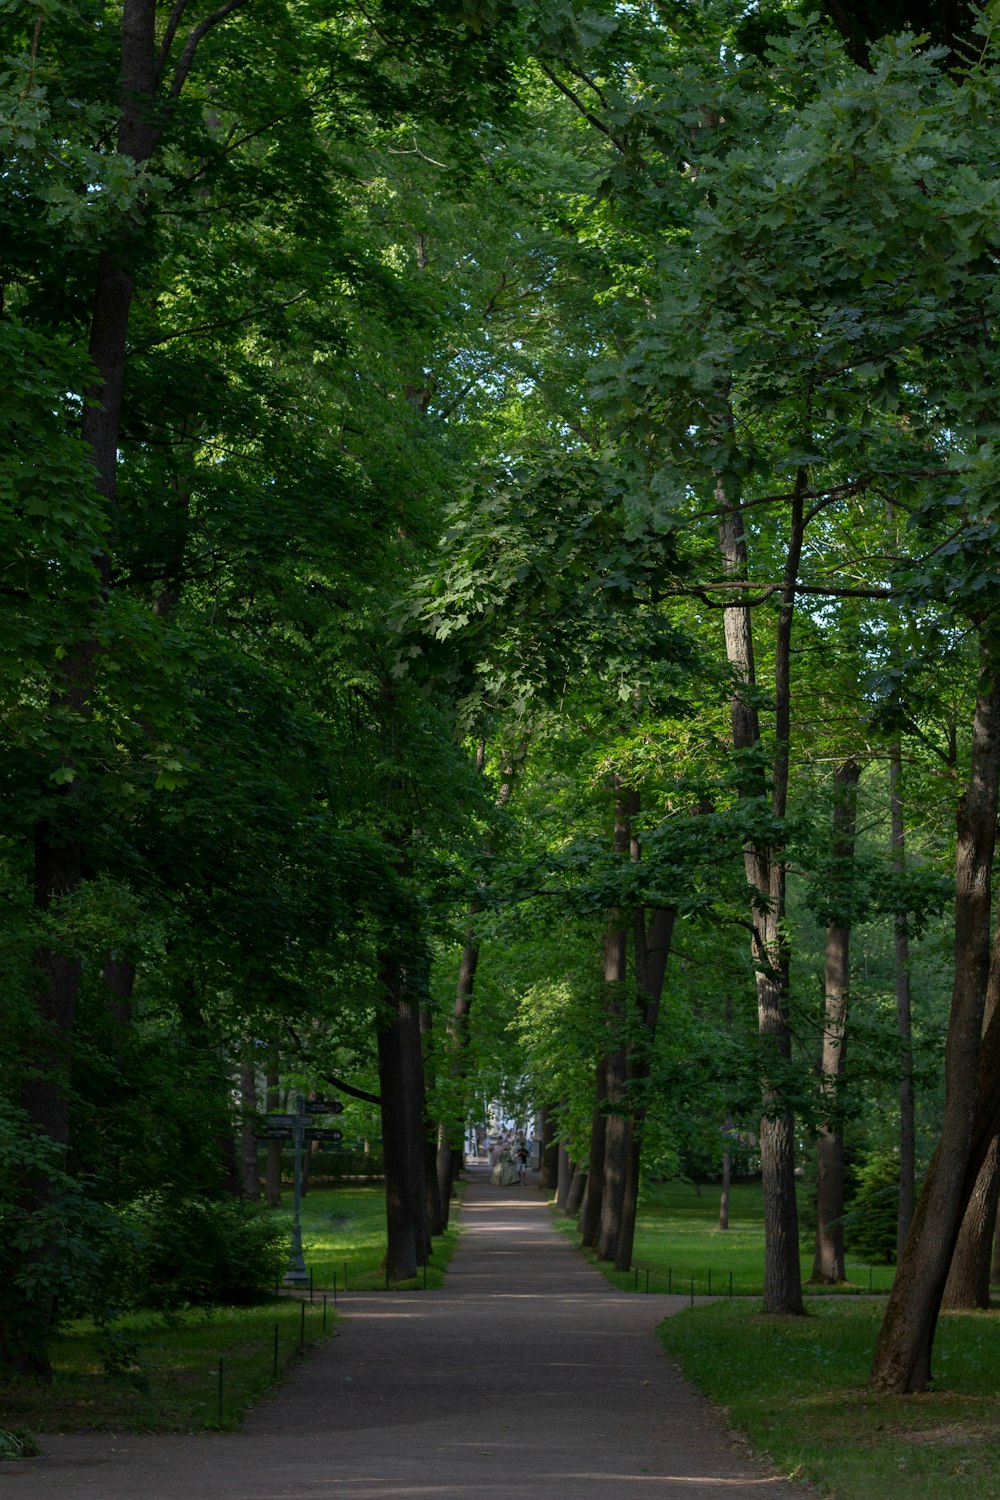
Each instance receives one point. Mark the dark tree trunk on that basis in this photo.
(727, 1182)
(456, 1045)
(548, 1177)
(902, 1361)
(565, 1178)
(651, 942)
(590, 1210)
(968, 1283)
(272, 1184)
(449, 1152)
(249, 1169)
(765, 873)
(401, 1092)
(577, 1188)
(436, 1207)
(904, 1025)
(828, 1261)
(617, 1130)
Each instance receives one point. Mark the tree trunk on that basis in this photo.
(249, 1169)
(968, 1283)
(401, 1093)
(904, 1025)
(272, 1182)
(651, 943)
(828, 1261)
(436, 1206)
(617, 1130)
(456, 1045)
(565, 1178)
(590, 1209)
(727, 1180)
(902, 1361)
(449, 1152)
(765, 873)
(548, 1176)
(577, 1187)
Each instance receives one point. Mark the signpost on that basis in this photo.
(297, 1129)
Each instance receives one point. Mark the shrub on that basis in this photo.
(870, 1220)
(196, 1251)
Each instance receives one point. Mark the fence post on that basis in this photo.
(324, 1312)
(302, 1329)
(221, 1363)
(274, 1366)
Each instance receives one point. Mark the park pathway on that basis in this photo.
(526, 1377)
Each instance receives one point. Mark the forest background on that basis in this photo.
(499, 604)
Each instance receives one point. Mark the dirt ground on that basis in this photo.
(526, 1377)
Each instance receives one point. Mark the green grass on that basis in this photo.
(170, 1381)
(343, 1236)
(796, 1388)
(678, 1242)
(171, 1384)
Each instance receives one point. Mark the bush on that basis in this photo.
(197, 1251)
(870, 1220)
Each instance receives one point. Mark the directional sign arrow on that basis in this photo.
(274, 1133)
(325, 1107)
(324, 1135)
(283, 1122)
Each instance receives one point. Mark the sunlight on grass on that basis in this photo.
(678, 1242)
(797, 1388)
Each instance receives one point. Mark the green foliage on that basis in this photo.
(198, 1252)
(871, 1218)
(795, 1388)
(17, 1442)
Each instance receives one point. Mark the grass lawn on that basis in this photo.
(172, 1381)
(171, 1363)
(343, 1237)
(678, 1242)
(796, 1388)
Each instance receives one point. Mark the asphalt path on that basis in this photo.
(527, 1377)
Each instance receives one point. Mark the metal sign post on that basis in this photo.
(296, 1129)
(296, 1274)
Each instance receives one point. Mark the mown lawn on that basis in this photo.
(679, 1244)
(343, 1240)
(168, 1366)
(797, 1388)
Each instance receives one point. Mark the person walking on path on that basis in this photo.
(526, 1377)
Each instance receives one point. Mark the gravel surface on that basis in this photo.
(526, 1377)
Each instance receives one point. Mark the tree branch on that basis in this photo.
(195, 39)
(168, 37)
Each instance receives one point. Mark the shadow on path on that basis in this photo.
(526, 1377)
